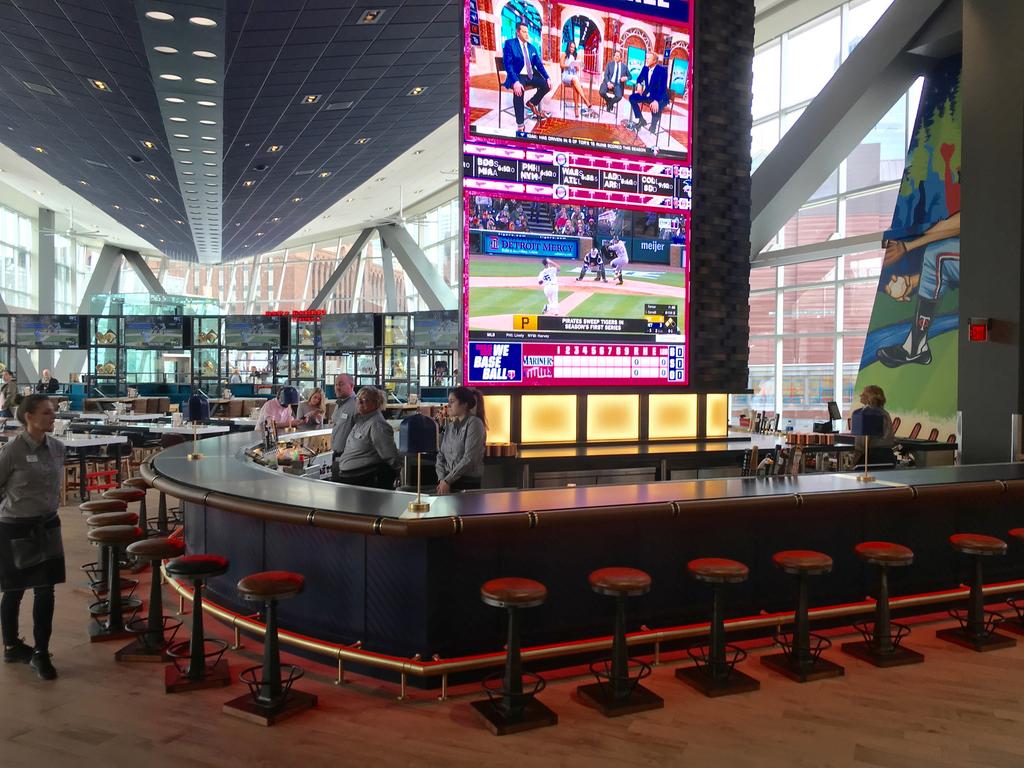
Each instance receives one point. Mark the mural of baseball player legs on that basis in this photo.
(940, 271)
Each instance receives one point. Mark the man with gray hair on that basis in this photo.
(344, 416)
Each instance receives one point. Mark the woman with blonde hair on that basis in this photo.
(313, 410)
(873, 396)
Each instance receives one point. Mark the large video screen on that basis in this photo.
(577, 185)
(154, 332)
(252, 332)
(355, 331)
(435, 330)
(48, 331)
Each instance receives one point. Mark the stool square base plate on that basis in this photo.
(1016, 626)
(639, 700)
(247, 708)
(713, 687)
(98, 633)
(535, 715)
(898, 657)
(993, 641)
(822, 669)
(217, 677)
(139, 651)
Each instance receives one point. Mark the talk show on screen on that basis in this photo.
(577, 189)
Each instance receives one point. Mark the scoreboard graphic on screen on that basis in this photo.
(577, 189)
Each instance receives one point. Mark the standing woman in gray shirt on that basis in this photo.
(370, 457)
(460, 462)
(31, 550)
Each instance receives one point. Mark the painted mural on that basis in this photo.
(911, 345)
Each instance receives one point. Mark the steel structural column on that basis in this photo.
(346, 261)
(138, 263)
(102, 281)
(431, 286)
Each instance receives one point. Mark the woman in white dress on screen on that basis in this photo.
(571, 78)
(548, 280)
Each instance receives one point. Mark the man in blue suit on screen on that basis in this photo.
(524, 69)
(651, 88)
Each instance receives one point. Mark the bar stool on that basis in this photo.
(800, 660)
(270, 698)
(617, 691)
(154, 632)
(96, 572)
(138, 484)
(1015, 625)
(110, 538)
(714, 673)
(509, 708)
(977, 626)
(129, 495)
(197, 674)
(882, 644)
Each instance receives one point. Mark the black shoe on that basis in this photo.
(641, 122)
(897, 355)
(19, 653)
(43, 666)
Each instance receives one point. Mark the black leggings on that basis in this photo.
(42, 616)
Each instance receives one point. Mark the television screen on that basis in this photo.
(436, 330)
(49, 331)
(154, 332)
(355, 331)
(252, 332)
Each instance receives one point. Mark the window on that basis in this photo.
(16, 254)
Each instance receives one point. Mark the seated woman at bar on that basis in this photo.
(370, 458)
(279, 409)
(460, 462)
(880, 448)
(313, 410)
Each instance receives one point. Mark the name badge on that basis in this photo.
(31, 458)
(344, 416)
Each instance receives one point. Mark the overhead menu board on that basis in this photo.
(577, 189)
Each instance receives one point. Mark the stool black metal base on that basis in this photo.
(713, 687)
(992, 641)
(1016, 626)
(139, 650)
(600, 695)
(101, 633)
(534, 714)
(217, 676)
(869, 652)
(247, 708)
(819, 669)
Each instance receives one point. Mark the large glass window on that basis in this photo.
(16, 253)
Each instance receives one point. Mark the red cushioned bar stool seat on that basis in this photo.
(511, 706)
(618, 690)
(111, 539)
(155, 632)
(198, 662)
(883, 639)
(271, 696)
(140, 484)
(97, 571)
(801, 659)
(714, 672)
(1016, 624)
(977, 630)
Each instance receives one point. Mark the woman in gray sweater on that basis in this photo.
(460, 462)
(370, 457)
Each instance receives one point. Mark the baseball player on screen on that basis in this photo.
(621, 260)
(548, 279)
(595, 263)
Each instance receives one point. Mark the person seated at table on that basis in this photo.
(651, 88)
(47, 384)
(880, 448)
(234, 377)
(370, 458)
(9, 397)
(313, 410)
(460, 462)
(279, 409)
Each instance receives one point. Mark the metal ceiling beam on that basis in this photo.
(138, 263)
(878, 71)
(102, 281)
(346, 261)
(418, 269)
(387, 260)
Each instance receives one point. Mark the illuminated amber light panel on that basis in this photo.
(672, 417)
(717, 422)
(549, 419)
(613, 417)
(499, 418)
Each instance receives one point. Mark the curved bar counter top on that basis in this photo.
(407, 585)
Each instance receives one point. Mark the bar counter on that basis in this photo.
(407, 585)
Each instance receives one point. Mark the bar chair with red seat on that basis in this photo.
(977, 629)
(190, 671)
(111, 538)
(154, 632)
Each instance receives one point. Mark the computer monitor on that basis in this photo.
(833, 411)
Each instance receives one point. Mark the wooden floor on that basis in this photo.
(957, 709)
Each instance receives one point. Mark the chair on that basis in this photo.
(190, 671)
(933, 435)
(977, 626)
(915, 431)
(111, 538)
(896, 421)
(499, 69)
(152, 638)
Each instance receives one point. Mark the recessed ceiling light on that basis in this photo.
(159, 16)
(169, 76)
(161, 239)
(152, 177)
(311, 98)
(296, 199)
(206, 81)
(178, 221)
(417, 91)
(142, 226)
(371, 17)
(208, 122)
(205, 103)
(209, 151)
(209, 164)
(276, 219)
(202, 21)
(380, 178)
(155, 199)
(238, 223)
(248, 183)
(210, 175)
(40, 150)
(117, 207)
(189, 181)
(324, 174)
(326, 216)
(350, 200)
(208, 138)
(177, 119)
(188, 173)
(174, 100)
(259, 234)
(165, 49)
(181, 135)
(99, 85)
(418, 191)
(205, 54)
(182, 149)
(83, 182)
(185, 162)
(417, 151)
(274, 148)
(148, 144)
(363, 140)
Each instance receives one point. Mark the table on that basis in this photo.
(124, 417)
